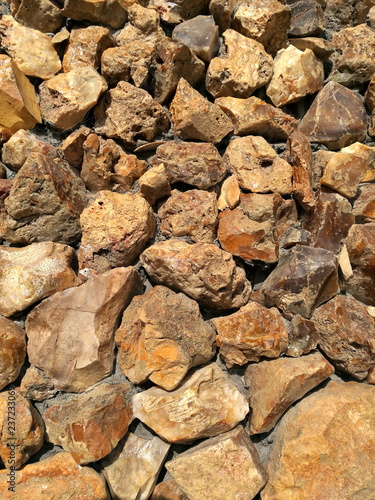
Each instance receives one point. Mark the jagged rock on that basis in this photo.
(202, 271)
(229, 194)
(343, 173)
(142, 459)
(42, 15)
(31, 50)
(222, 10)
(19, 147)
(96, 11)
(200, 34)
(127, 170)
(345, 13)
(227, 466)
(243, 67)
(321, 48)
(60, 38)
(276, 384)
(205, 404)
(303, 336)
(71, 334)
(174, 13)
(146, 20)
(257, 167)
(307, 18)
(36, 385)
(72, 146)
(367, 153)
(13, 351)
(154, 184)
(168, 490)
(364, 204)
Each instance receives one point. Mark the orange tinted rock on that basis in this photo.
(36, 385)
(367, 153)
(303, 336)
(168, 490)
(19, 147)
(96, 11)
(72, 146)
(154, 184)
(364, 204)
(200, 34)
(343, 173)
(42, 15)
(127, 170)
(13, 351)
(229, 193)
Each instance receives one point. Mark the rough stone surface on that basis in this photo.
(168, 490)
(154, 184)
(302, 335)
(200, 34)
(72, 146)
(364, 204)
(229, 193)
(183, 10)
(345, 13)
(322, 48)
(307, 18)
(343, 173)
(36, 385)
(42, 15)
(127, 170)
(20, 146)
(108, 12)
(13, 351)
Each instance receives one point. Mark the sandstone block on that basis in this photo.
(200, 34)
(20, 146)
(13, 351)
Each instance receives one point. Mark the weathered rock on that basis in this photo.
(364, 204)
(154, 184)
(196, 164)
(295, 75)
(345, 13)
(71, 334)
(294, 235)
(276, 384)
(370, 19)
(222, 10)
(147, 20)
(243, 67)
(96, 11)
(142, 459)
(178, 339)
(227, 466)
(31, 50)
(303, 336)
(168, 490)
(345, 123)
(19, 147)
(3, 172)
(321, 48)
(21, 429)
(72, 146)
(202, 271)
(205, 404)
(308, 448)
(66, 98)
(115, 230)
(253, 116)
(196, 118)
(182, 10)
(370, 94)
(229, 193)
(36, 385)
(13, 351)
(343, 173)
(42, 15)
(257, 167)
(200, 34)
(307, 18)
(127, 170)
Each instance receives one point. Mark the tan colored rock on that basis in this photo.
(229, 193)
(115, 230)
(60, 38)
(36, 385)
(60, 475)
(309, 444)
(13, 351)
(174, 13)
(31, 50)
(303, 336)
(96, 11)
(243, 67)
(341, 14)
(370, 94)
(257, 167)
(72, 146)
(202, 271)
(367, 153)
(71, 334)
(19, 147)
(364, 204)
(142, 459)
(205, 404)
(42, 15)
(154, 184)
(168, 490)
(200, 34)
(21, 429)
(307, 18)
(146, 20)
(222, 10)
(127, 170)
(253, 116)
(227, 466)
(343, 173)
(276, 384)
(321, 48)
(162, 336)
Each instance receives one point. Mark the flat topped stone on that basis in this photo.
(200, 34)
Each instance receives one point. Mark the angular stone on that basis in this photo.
(343, 173)
(201, 35)
(321, 48)
(257, 167)
(127, 170)
(13, 351)
(370, 94)
(253, 116)
(229, 193)
(364, 204)
(168, 490)
(60, 38)
(227, 466)
(147, 20)
(31, 50)
(303, 336)
(22, 430)
(20, 146)
(72, 146)
(222, 10)
(96, 11)
(295, 75)
(66, 98)
(276, 384)
(345, 123)
(36, 385)
(174, 13)
(307, 18)
(71, 334)
(202, 271)
(115, 230)
(243, 67)
(42, 15)
(142, 459)
(154, 184)
(196, 164)
(205, 404)
(345, 13)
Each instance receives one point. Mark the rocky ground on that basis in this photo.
(187, 258)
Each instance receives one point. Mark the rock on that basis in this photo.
(60, 38)
(222, 10)
(31, 50)
(127, 170)
(205, 404)
(3, 172)
(367, 153)
(370, 94)
(364, 204)
(147, 20)
(168, 490)
(321, 48)
(227, 466)
(178, 339)
(303, 336)
(60, 475)
(201, 35)
(71, 334)
(307, 18)
(370, 19)
(115, 230)
(250, 333)
(253, 116)
(36, 385)
(154, 184)
(197, 164)
(18, 100)
(195, 118)
(63, 104)
(346, 122)
(22, 430)
(13, 351)
(96, 11)
(142, 459)
(257, 167)
(128, 113)
(174, 13)
(229, 194)
(20, 146)
(345, 13)
(304, 278)
(276, 384)
(295, 75)
(243, 67)
(86, 46)
(31, 273)
(42, 15)
(202, 271)
(343, 173)
(72, 146)
(309, 442)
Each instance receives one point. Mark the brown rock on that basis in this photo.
(243, 67)
(257, 167)
(72, 146)
(115, 230)
(276, 384)
(96, 11)
(42, 15)
(154, 184)
(36, 385)
(21, 429)
(174, 13)
(303, 336)
(370, 94)
(321, 48)
(364, 204)
(200, 34)
(227, 466)
(168, 490)
(229, 193)
(345, 13)
(144, 19)
(222, 10)
(202, 271)
(20, 146)
(346, 122)
(205, 404)
(71, 334)
(307, 18)
(127, 170)
(3, 172)
(60, 38)
(13, 351)
(343, 173)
